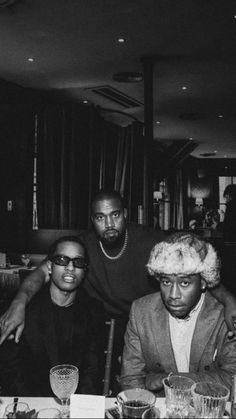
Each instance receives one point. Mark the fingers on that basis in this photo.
(5, 332)
(232, 329)
(19, 331)
(231, 334)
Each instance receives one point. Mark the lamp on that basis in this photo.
(157, 195)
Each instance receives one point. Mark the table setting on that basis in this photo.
(184, 399)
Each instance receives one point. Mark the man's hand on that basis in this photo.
(230, 316)
(13, 320)
(228, 300)
(154, 381)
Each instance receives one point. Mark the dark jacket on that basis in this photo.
(148, 347)
(24, 368)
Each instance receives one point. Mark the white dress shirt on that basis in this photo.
(181, 333)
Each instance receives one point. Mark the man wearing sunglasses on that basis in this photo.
(118, 252)
(63, 325)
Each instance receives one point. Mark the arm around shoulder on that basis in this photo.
(229, 303)
(14, 317)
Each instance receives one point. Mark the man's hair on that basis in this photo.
(185, 254)
(75, 239)
(230, 190)
(102, 194)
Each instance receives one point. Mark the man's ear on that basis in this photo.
(203, 284)
(49, 266)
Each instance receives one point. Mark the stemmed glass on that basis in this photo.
(64, 381)
(25, 259)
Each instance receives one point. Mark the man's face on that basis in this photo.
(181, 294)
(67, 278)
(108, 217)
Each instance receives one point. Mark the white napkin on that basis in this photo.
(87, 406)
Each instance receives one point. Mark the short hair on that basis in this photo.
(102, 194)
(75, 239)
(185, 254)
(213, 214)
(230, 190)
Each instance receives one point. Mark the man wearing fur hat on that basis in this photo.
(182, 328)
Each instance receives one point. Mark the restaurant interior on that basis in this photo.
(138, 96)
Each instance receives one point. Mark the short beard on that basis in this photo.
(115, 242)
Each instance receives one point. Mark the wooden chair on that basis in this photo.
(108, 352)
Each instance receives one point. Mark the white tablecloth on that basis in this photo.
(38, 403)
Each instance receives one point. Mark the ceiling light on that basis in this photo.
(85, 102)
(31, 59)
(220, 116)
(215, 151)
(158, 122)
(190, 138)
(121, 40)
(184, 87)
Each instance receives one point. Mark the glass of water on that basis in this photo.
(64, 381)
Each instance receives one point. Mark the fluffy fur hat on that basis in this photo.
(185, 254)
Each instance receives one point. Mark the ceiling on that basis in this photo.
(73, 46)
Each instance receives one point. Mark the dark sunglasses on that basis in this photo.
(61, 260)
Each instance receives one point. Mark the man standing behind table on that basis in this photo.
(182, 328)
(63, 326)
(118, 252)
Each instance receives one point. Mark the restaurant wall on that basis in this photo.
(98, 155)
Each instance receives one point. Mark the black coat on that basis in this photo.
(24, 368)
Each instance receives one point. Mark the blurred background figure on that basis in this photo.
(212, 220)
(229, 227)
(192, 224)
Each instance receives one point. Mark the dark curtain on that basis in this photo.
(78, 153)
(16, 171)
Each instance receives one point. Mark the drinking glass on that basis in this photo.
(14, 408)
(209, 399)
(50, 412)
(25, 259)
(64, 381)
(151, 413)
(132, 403)
(178, 396)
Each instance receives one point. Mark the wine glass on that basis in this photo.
(64, 381)
(25, 259)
